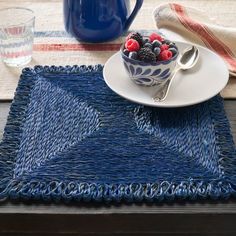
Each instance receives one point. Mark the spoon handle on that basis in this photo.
(161, 94)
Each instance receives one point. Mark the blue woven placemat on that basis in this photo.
(69, 137)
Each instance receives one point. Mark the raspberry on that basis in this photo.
(155, 36)
(165, 55)
(132, 45)
(137, 36)
(164, 47)
(146, 55)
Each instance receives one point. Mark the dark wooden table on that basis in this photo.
(182, 218)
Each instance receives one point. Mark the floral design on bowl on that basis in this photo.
(149, 74)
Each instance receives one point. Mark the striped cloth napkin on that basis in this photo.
(196, 26)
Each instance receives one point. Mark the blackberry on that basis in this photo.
(146, 55)
(146, 40)
(137, 36)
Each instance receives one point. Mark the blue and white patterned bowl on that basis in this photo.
(149, 74)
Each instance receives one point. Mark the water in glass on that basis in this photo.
(16, 35)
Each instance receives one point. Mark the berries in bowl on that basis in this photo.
(149, 60)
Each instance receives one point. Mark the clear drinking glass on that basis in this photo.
(16, 35)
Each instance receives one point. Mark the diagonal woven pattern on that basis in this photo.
(69, 137)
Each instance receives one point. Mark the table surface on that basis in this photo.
(201, 218)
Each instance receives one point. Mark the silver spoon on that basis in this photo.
(185, 61)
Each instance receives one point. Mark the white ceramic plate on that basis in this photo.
(205, 80)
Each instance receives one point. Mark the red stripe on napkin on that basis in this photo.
(208, 38)
(76, 47)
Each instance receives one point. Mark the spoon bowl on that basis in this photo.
(189, 58)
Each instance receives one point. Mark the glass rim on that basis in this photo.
(18, 8)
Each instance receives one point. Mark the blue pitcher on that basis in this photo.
(98, 20)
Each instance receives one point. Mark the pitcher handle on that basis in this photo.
(137, 6)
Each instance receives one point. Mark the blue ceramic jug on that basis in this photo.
(98, 20)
